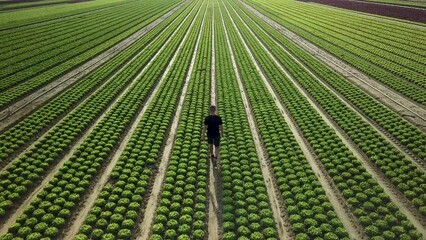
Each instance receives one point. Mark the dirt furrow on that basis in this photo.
(408, 109)
(419, 163)
(341, 208)
(151, 206)
(23, 107)
(214, 176)
(388, 4)
(395, 195)
(80, 216)
(283, 227)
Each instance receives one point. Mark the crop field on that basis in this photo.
(102, 107)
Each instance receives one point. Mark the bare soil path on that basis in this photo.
(395, 195)
(31, 102)
(408, 109)
(283, 226)
(79, 217)
(149, 215)
(214, 176)
(355, 230)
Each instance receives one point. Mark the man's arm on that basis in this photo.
(221, 130)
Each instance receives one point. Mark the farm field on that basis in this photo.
(102, 110)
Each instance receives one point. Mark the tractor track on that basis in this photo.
(23, 107)
(408, 109)
(215, 206)
(340, 205)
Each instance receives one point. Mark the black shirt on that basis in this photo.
(213, 122)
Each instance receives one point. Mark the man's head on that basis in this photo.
(212, 109)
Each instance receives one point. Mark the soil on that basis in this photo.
(395, 11)
(280, 217)
(215, 206)
(144, 228)
(30, 103)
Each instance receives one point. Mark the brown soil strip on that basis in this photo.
(379, 129)
(80, 216)
(391, 4)
(28, 104)
(355, 230)
(380, 18)
(148, 218)
(12, 218)
(395, 195)
(283, 227)
(408, 109)
(214, 177)
(395, 11)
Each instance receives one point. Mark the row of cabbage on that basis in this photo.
(408, 178)
(52, 146)
(246, 210)
(119, 206)
(37, 63)
(54, 15)
(105, 79)
(54, 205)
(343, 42)
(405, 133)
(308, 209)
(364, 196)
(182, 209)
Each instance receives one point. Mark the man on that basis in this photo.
(213, 125)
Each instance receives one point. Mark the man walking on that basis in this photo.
(213, 125)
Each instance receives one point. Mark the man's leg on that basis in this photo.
(211, 149)
(216, 146)
(216, 151)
